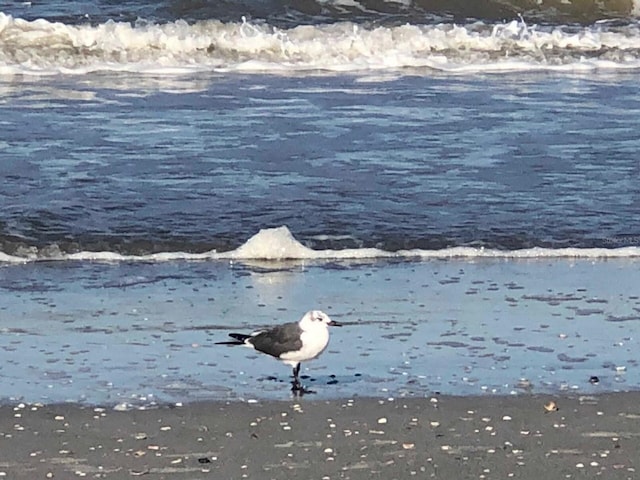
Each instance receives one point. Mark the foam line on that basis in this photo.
(278, 244)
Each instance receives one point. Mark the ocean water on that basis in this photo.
(458, 182)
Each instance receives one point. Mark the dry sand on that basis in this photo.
(441, 437)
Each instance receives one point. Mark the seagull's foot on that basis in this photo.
(299, 390)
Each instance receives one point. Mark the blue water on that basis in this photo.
(415, 162)
(121, 136)
(287, 12)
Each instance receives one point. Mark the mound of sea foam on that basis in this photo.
(272, 244)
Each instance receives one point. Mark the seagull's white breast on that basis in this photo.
(314, 341)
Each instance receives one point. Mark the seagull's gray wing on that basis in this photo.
(278, 340)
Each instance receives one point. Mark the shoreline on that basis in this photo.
(436, 437)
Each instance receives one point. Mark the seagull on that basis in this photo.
(292, 343)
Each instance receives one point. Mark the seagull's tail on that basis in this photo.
(238, 339)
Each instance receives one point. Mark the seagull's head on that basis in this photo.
(315, 318)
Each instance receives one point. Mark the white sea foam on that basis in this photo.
(4, 258)
(278, 244)
(41, 47)
(272, 244)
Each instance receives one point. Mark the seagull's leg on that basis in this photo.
(297, 388)
(296, 381)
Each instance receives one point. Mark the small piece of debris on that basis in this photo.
(124, 407)
(551, 406)
(382, 420)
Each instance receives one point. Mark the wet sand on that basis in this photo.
(438, 437)
(145, 333)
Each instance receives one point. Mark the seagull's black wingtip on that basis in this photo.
(238, 339)
(232, 342)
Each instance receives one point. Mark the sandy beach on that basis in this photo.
(438, 437)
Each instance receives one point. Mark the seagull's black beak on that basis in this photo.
(333, 323)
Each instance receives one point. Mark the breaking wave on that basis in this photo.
(41, 47)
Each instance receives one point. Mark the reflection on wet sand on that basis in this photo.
(145, 333)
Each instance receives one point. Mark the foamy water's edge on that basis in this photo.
(277, 244)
